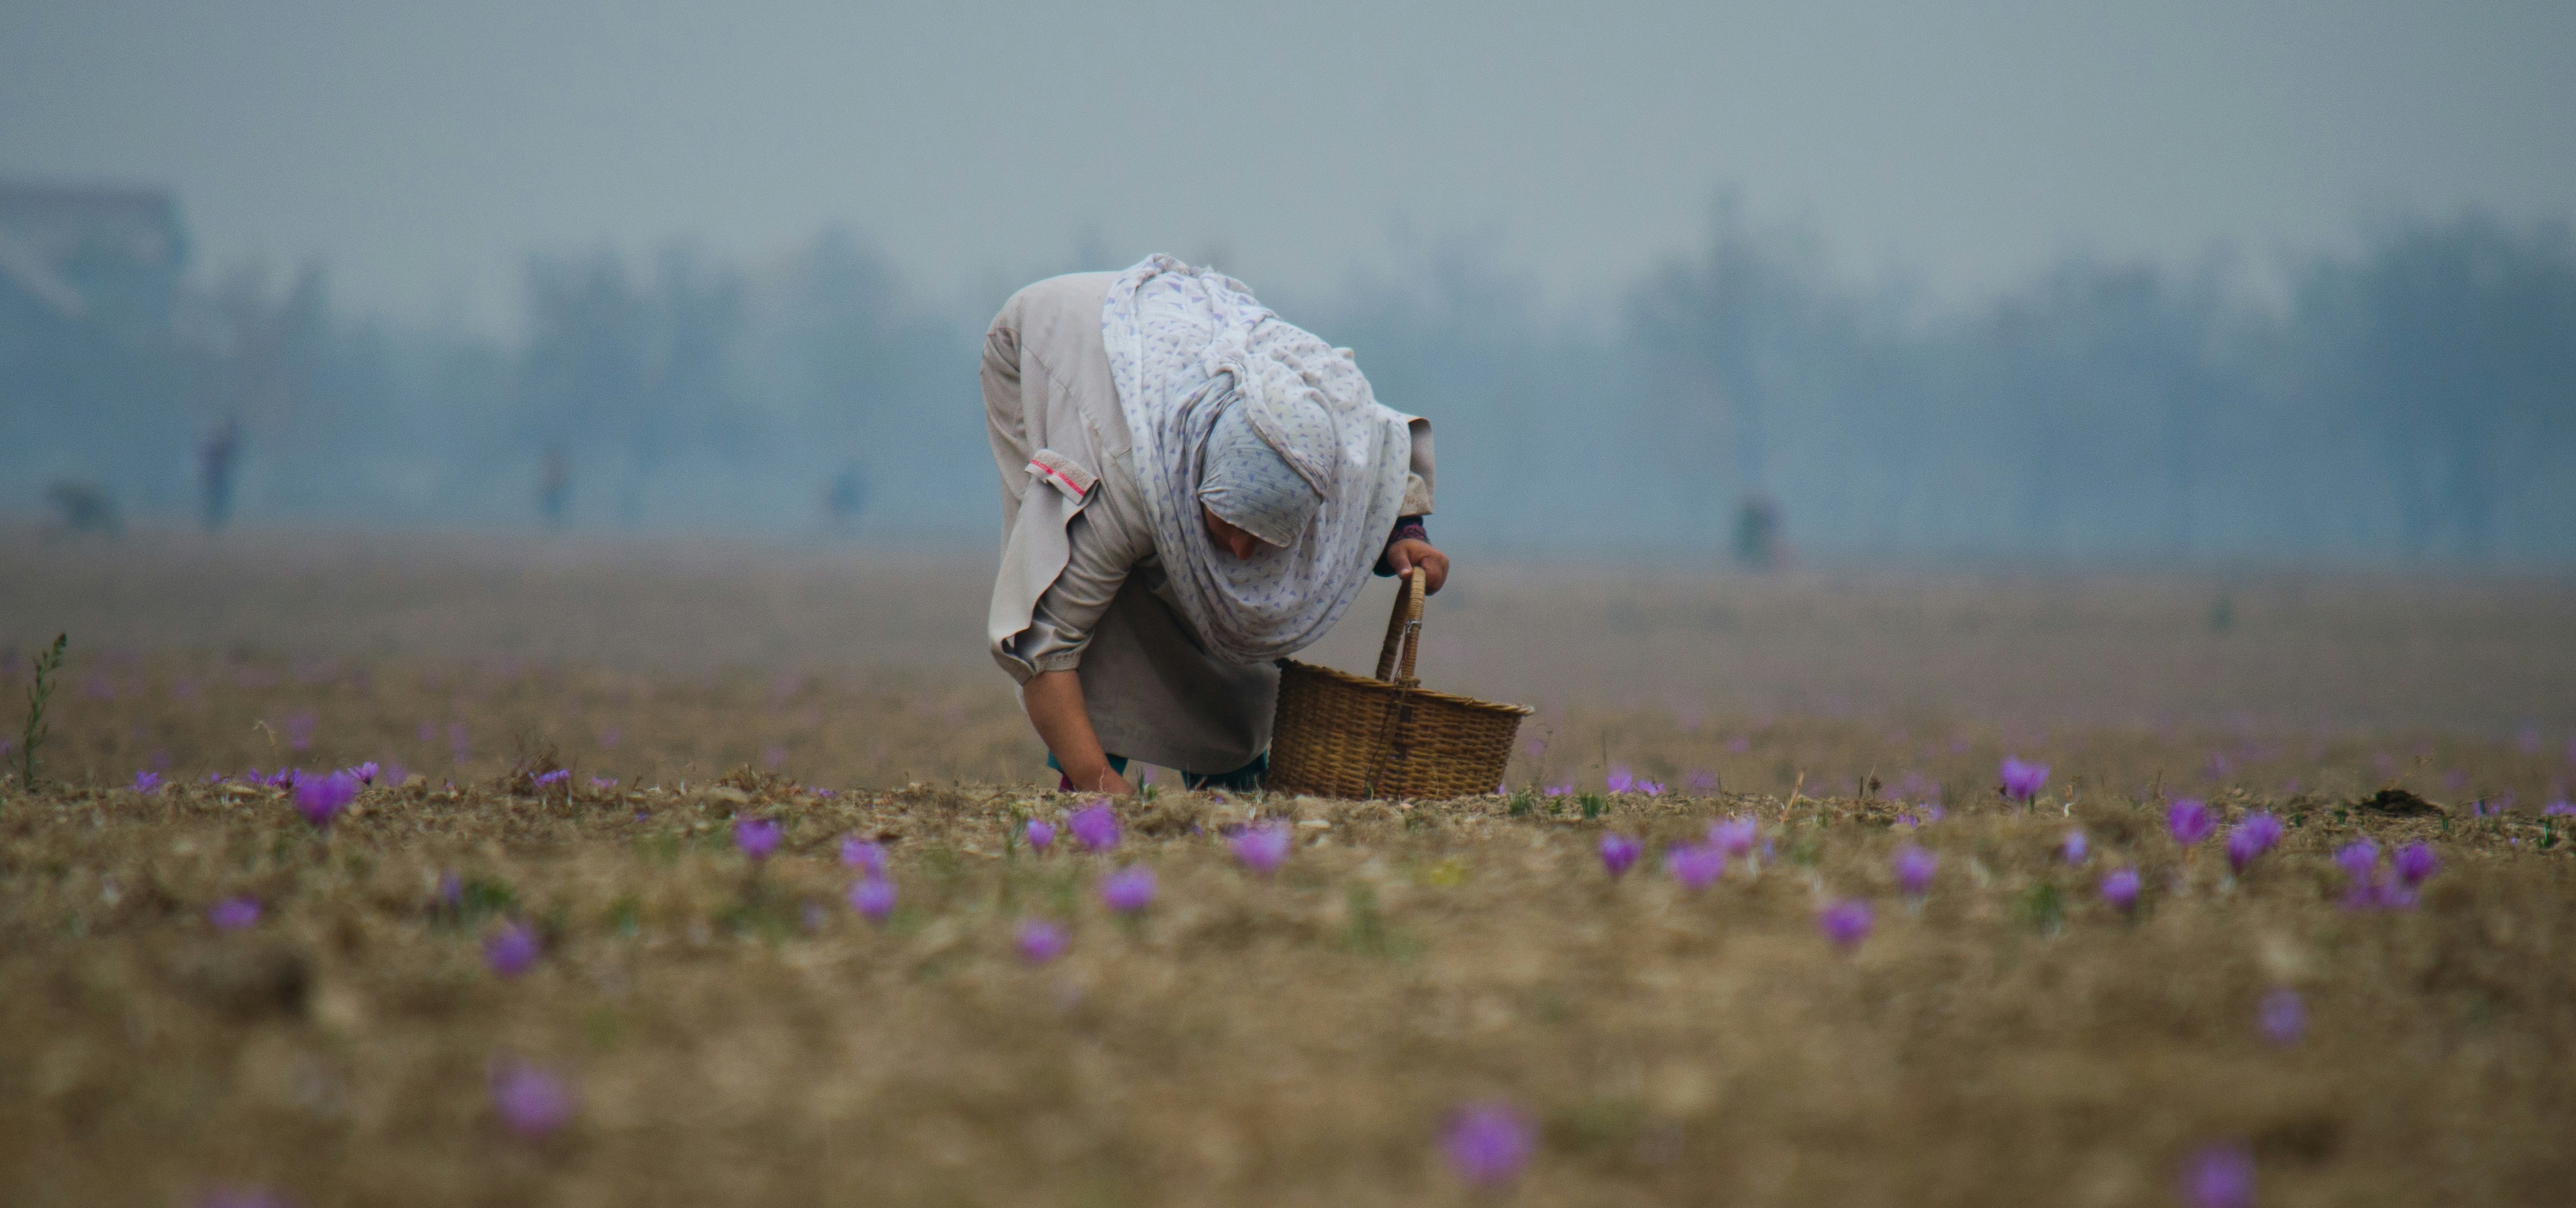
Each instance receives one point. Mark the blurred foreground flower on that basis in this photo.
(1262, 846)
(2120, 889)
(1040, 941)
(1041, 835)
(1914, 869)
(2257, 834)
(1733, 837)
(2188, 821)
(320, 799)
(234, 914)
(2022, 781)
(1618, 852)
(1129, 889)
(865, 855)
(2075, 847)
(2221, 1176)
(1695, 865)
(873, 897)
(1619, 780)
(757, 837)
(513, 950)
(1845, 923)
(532, 1100)
(2416, 864)
(2283, 1016)
(1094, 826)
(1487, 1143)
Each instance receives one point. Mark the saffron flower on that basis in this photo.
(1620, 780)
(1041, 835)
(234, 914)
(147, 782)
(873, 898)
(1914, 868)
(2358, 859)
(2282, 1016)
(1040, 941)
(2188, 821)
(531, 1100)
(1094, 826)
(1845, 923)
(2560, 808)
(321, 799)
(2221, 1176)
(1695, 865)
(1651, 788)
(2415, 864)
(2120, 889)
(1128, 890)
(2022, 781)
(866, 855)
(2075, 847)
(603, 783)
(1487, 1143)
(1262, 846)
(1618, 853)
(513, 950)
(1733, 837)
(757, 837)
(557, 776)
(366, 772)
(2257, 834)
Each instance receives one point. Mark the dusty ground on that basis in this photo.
(733, 1032)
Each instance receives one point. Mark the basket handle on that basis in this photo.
(1403, 629)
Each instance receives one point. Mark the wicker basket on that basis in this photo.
(1338, 735)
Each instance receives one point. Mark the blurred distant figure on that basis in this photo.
(216, 456)
(845, 498)
(1757, 532)
(83, 507)
(554, 486)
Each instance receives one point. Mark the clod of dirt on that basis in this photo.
(248, 980)
(2397, 803)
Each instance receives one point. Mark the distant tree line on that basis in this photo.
(2412, 400)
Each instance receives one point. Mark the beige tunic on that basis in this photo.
(1080, 585)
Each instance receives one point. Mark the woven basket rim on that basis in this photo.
(1418, 693)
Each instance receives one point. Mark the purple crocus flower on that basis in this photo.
(2120, 889)
(451, 890)
(366, 772)
(513, 950)
(1041, 835)
(2254, 836)
(2358, 859)
(1041, 941)
(1618, 853)
(1094, 826)
(2075, 847)
(234, 914)
(2189, 821)
(1733, 837)
(2221, 1176)
(1914, 868)
(2022, 781)
(1651, 788)
(1620, 780)
(1488, 1143)
(873, 897)
(1695, 865)
(1846, 923)
(1262, 846)
(532, 1101)
(2415, 863)
(2282, 1016)
(603, 783)
(147, 782)
(757, 837)
(1128, 890)
(320, 799)
(2560, 808)
(866, 855)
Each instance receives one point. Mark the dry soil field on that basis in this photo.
(547, 956)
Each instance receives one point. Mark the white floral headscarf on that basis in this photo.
(1185, 344)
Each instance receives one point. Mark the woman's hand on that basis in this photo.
(1411, 552)
(1054, 702)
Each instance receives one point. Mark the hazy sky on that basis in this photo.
(422, 149)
